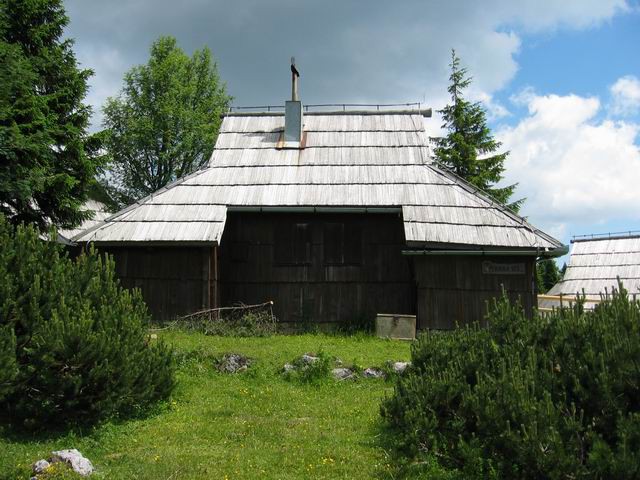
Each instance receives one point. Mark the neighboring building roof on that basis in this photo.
(99, 214)
(596, 264)
(350, 161)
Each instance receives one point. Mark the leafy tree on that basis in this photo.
(44, 171)
(165, 121)
(466, 148)
(548, 275)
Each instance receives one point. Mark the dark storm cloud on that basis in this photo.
(347, 51)
(337, 45)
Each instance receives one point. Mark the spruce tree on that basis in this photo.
(44, 172)
(468, 149)
(548, 275)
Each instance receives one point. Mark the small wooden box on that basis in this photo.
(397, 326)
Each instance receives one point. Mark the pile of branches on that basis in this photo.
(239, 320)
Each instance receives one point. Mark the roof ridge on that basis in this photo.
(598, 237)
(425, 112)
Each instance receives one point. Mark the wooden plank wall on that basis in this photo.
(454, 289)
(442, 290)
(316, 291)
(174, 280)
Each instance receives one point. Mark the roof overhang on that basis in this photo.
(316, 209)
(179, 243)
(537, 252)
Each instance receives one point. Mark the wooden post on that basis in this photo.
(205, 279)
(214, 301)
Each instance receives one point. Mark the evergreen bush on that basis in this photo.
(555, 396)
(76, 341)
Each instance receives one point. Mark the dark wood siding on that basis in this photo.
(455, 289)
(173, 280)
(323, 268)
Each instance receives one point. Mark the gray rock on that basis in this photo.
(343, 373)
(308, 359)
(73, 458)
(373, 372)
(40, 466)
(288, 368)
(400, 367)
(233, 363)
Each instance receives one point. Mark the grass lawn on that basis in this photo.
(244, 426)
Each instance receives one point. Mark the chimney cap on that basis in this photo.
(294, 80)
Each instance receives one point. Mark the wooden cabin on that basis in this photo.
(596, 264)
(332, 215)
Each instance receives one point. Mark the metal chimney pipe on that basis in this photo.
(294, 80)
(293, 112)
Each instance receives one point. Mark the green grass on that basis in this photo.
(245, 426)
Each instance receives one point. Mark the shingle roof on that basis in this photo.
(100, 212)
(349, 160)
(596, 264)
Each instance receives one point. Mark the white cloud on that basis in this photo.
(572, 168)
(625, 94)
(495, 110)
(536, 15)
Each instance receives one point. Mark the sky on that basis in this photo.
(560, 80)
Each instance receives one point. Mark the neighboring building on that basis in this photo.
(100, 212)
(596, 264)
(333, 216)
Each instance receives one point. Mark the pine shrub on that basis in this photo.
(556, 396)
(76, 341)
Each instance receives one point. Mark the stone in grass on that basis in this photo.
(301, 363)
(343, 373)
(233, 363)
(73, 458)
(373, 372)
(400, 367)
(40, 466)
(308, 359)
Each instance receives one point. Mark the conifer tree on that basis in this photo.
(8, 361)
(548, 275)
(44, 171)
(469, 148)
(74, 345)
